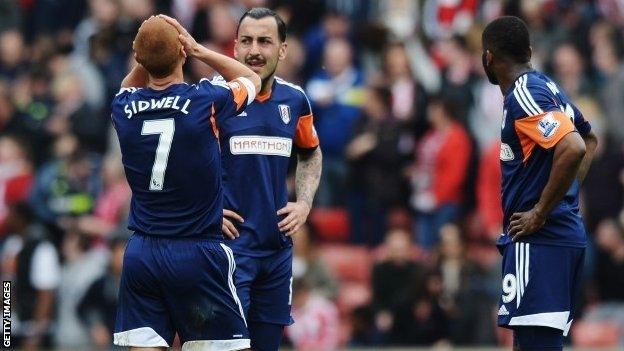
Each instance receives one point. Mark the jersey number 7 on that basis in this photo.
(165, 128)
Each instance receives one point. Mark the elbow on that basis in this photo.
(257, 82)
(578, 150)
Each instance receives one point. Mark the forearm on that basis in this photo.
(591, 142)
(569, 153)
(138, 77)
(308, 175)
(228, 67)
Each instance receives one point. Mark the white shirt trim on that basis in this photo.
(217, 345)
(557, 320)
(139, 337)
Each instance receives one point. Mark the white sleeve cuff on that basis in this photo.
(251, 89)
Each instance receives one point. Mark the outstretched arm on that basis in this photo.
(307, 177)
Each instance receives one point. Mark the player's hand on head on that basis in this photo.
(228, 227)
(296, 215)
(525, 223)
(188, 42)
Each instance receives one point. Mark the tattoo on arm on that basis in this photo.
(308, 175)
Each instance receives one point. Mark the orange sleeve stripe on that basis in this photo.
(305, 136)
(240, 93)
(545, 130)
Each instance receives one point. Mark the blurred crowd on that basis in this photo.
(399, 247)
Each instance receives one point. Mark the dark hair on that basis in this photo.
(447, 103)
(262, 12)
(383, 94)
(24, 211)
(508, 36)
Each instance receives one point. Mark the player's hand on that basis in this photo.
(296, 214)
(228, 227)
(525, 223)
(187, 40)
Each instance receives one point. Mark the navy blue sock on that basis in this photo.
(538, 338)
(265, 336)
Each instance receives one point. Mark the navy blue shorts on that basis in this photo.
(539, 286)
(179, 285)
(264, 285)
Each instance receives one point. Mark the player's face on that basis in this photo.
(486, 59)
(258, 46)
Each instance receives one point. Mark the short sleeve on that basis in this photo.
(305, 135)
(544, 129)
(230, 97)
(581, 124)
(542, 117)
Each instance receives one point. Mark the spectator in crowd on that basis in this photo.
(439, 173)
(393, 278)
(334, 25)
(31, 261)
(421, 319)
(610, 261)
(12, 53)
(111, 207)
(307, 265)
(408, 96)
(489, 192)
(82, 266)
(98, 307)
(16, 175)
(463, 294)
(66, 188)
(607, 59)
(317, 326)
(569, 70)
(603, 189)
(374, 155)
(458, 75)
(336, 94)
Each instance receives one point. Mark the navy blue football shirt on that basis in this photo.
(170, 152)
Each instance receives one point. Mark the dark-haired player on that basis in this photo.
(546, 149)
(177, 274)
(256, 148)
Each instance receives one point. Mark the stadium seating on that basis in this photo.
(332, 224)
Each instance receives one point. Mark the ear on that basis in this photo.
(235, 51)
(283, 51)
(530, 52)
(489, 58)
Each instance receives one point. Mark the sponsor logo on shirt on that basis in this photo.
(260, 145)
(548, 125)
(502, 311)
(506, 154)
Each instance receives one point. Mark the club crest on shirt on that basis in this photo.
(548, 125)
(284, 111)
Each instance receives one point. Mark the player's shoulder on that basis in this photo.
(532, 93)
(291, 88)
(125, 92)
